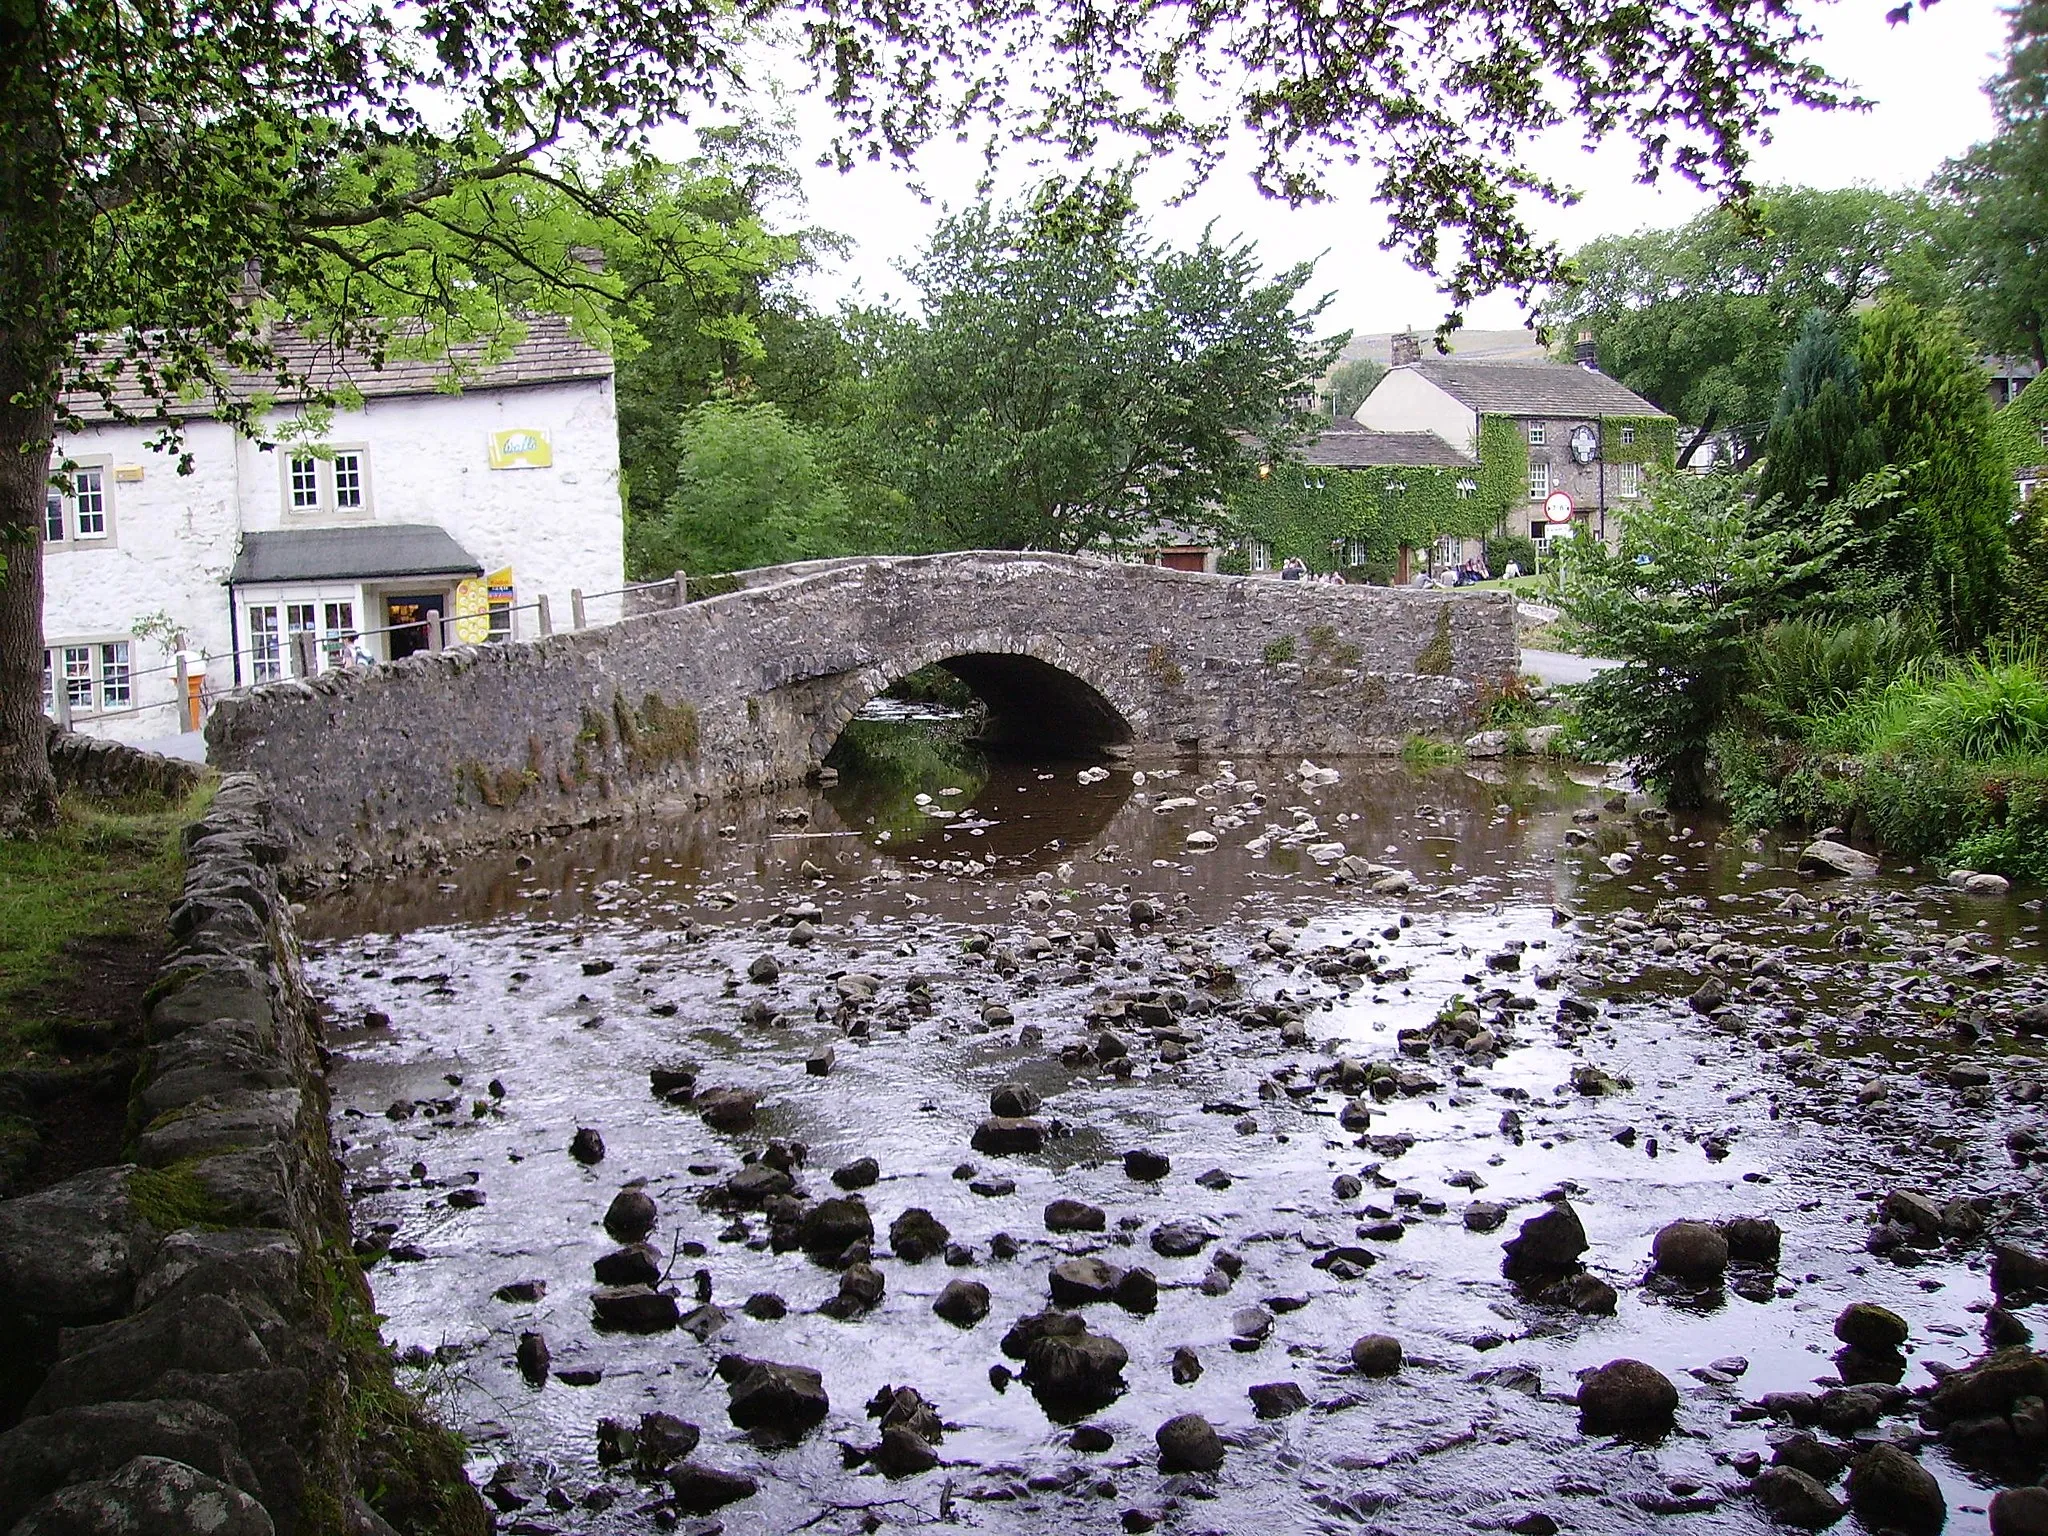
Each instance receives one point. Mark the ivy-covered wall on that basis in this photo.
(2018, 428)
(1311, 511)
(1503, 466)
(1655, 440)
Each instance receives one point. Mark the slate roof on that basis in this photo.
(1345, 445)
(549, 354)
(368, 552)
(1532, 389)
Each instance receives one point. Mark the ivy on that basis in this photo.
(1311, 511)
(1503, 466)
(1655, 440)
(2018, 428)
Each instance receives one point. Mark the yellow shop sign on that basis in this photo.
(521, 448)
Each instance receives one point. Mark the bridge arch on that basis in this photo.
(1040, 693)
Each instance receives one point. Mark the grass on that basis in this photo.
(1425, 752)
(101, 879)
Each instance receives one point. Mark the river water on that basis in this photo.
(482, 1014)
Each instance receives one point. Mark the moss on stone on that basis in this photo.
(1434, 660)
(1160, 663)
(498, 788)
(173, 1199)
(1278, 651)
(663, 733)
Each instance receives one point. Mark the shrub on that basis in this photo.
(1809, 668)
(1505, 549)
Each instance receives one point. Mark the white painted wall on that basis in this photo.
(1405, 401)
(173, 538)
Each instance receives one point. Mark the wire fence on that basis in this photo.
(76, 700)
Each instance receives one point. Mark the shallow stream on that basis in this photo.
(483, 1014)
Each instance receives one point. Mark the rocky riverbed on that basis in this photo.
(1239, 1149)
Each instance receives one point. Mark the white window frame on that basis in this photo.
(1628, 435)
(1536, 434)
(1628, 481)
(84, 478)
(98, 673)
(1258, 557)
(327, 485)
(266, 640)
(1539, 479)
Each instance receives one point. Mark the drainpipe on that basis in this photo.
(234, 636)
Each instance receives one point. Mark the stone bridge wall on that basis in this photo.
(751, 689)
(186, 1343)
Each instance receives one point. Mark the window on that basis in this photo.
(1259, 557)
(1629, 480)
(304, 475)
(298, 620)
(266, 658)
(89, 503)
(1535, 434)
(1355, 552)
(95, 677)
(1628, 435)
(1466, 487)
(336, 620)
(348, 480)
(79, 510)
(1539, 530)
(1539, 481)
(2044, 436)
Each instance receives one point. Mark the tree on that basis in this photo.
(1694, 319)
(1927, 403)
(1351, 382)
(750, 488)
(1819, 443)
(1700, 570)
(1074, 382)
(2000, 189)
(161, 163)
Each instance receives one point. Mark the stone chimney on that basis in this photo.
(1587, 353)
(1406, 349)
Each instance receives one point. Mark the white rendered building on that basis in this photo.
(465, 506)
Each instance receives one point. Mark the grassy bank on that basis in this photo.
(82, 927)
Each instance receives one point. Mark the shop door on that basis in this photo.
(409, 618)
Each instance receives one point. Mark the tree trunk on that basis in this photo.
(28, 792)
(1700, 437)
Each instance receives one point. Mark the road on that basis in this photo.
(1559, 667)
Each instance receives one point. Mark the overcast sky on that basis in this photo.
(1925, 79)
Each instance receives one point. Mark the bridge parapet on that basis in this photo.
(750, 690)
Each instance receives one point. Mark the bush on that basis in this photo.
(1981, 708)
(1809, 668)
(1505, 549)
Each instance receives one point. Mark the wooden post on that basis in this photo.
(434, 636)
(682, 589)
(302, 653)
(60, 690)
(541, 606)
(575, 607)
(185, 720)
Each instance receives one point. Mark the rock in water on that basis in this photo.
(962, 1303)
(1827, 858)
(700, 1489)
(1867, 1326)
(1691, 1251)
(1003, 1133)
(587, 1146)
(1627, 1397)
(903, 1452)
(1146, 1165)
(1277, 1399)
(2019, 1512)
(532, 1358)
(634, 1264)
(1892, 1491)
(917, 1235)
(832, 1226)
(1189, 1443)
(631, 1215)
(1791, 1497)
(1013, 1101)
(1376, 1354)
(1066, 1215)
(1548, 1242)
(782, 1402)
(634, 1309)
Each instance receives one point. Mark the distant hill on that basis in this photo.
(1516, 346)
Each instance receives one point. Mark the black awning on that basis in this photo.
(367, 553)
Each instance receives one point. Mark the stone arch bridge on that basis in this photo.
(749, 690)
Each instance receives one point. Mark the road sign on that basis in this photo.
(1557, 507)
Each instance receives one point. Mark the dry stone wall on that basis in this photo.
(109, 770)
(185, 1342)
(751, 689)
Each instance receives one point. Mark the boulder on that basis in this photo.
(700, 1489)
(1376, 1354)
(962, 1303)
(781, 1402)
(1000, 1134)
(727, 1109)
(1991, 1386)
(73, 1252)
(1189, 1443)
(2019, 1512)
(148, 1496)
(1826, 858)
(832, 1226)
(1065, 1215)
(1892, 1491)
(634, 1264)
(1146, 1165)
(860, 1290)
(2016, 1272)
(1548, 1242)
(917, 1235)
(1627, 1397)
(587, 1145)
(1752, 1239)
(1791, 1497)
(1180, 1239)
(1075, 1369)
(1077, 1282)
(903, 1452)
(1866, 1326)
(194, 1335)
(631, 1215)
(1691, 1251)
(634, 1308)
(1013, 1101)
(1277, 1399)
(858, 1174)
